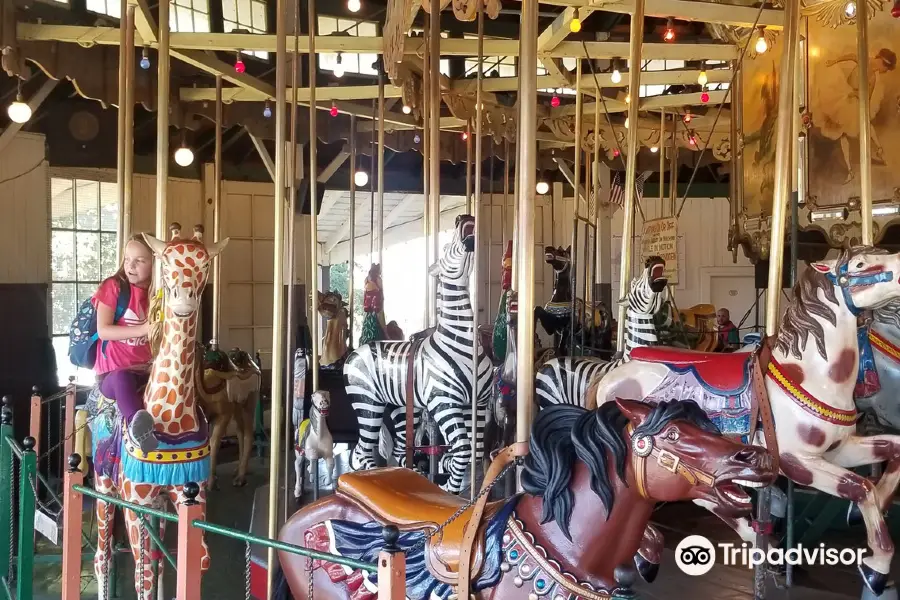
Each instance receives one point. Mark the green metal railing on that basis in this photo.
(15, 558)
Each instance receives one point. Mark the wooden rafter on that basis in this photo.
(323, 94)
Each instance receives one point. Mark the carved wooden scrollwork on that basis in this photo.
(395, 29)
(833, 13)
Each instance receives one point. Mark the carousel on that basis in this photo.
(520, 440)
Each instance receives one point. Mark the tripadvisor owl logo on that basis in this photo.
(696, 555)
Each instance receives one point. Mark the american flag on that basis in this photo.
(617, 189)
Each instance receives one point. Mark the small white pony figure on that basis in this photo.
(314, 441)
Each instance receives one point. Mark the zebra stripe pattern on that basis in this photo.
(565, 379)
(375, 375)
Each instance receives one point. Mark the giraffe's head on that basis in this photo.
(457, 260)
(185, 264)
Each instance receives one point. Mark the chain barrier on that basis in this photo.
(12, 515)
(142, 550)
(309, 573)
(246, 570)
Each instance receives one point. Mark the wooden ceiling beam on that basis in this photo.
(88, 36)
(245, 94)
(144, 23)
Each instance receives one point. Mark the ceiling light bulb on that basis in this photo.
(687, 118)
(616, 76)
(850, 9)
(670, 31)
(465, 136)
(702, 79)
(267, 111)
(184, 156)
(406, 109)
(361, 178)
(575, 23)
(542, 187)
(339, 68)
(239, 65)
(704, 97)
(145, 59)
(616, 152)
(654, 149)
(693, 141)
(761, 45)
(354, 5)
(554, 101)
(626, 122)
(18, 111)
(627, 98)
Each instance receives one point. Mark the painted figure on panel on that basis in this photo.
(834, 94)
(760, 119)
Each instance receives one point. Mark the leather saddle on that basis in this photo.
(411, 502)
(726, 372)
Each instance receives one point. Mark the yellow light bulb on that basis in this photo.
(575, 25)
(702, 79)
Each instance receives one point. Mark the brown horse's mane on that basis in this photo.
(564, 434)
(798, 323)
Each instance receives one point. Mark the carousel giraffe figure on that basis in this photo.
(171, 397)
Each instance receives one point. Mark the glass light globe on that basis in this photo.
(354, 5)
(761, 45)
(703, 79)
(184, 156)
(850, 9)
(654, 149)
(18, 111)
(616, 76)
(361, 178)
(406, 109)
(542, 187)
(626, 122)
(338, 70)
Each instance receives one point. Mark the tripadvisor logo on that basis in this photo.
(696, 555)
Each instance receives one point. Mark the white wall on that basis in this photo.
(24, 206)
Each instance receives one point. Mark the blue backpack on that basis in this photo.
(83, 336)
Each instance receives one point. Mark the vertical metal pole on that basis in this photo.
(351, 301)
(476, 211)
(7, 472)
(290, 242)
(434, 139)
(162, 128)
(662, 160)
(527, 127)
(634, 88)
(217, 214)
(673, 167)
(120, 137)
(576, 209)
(784, 149)
(129, 121)
(865, 136)
(469, 166)
(278, 358)
(426, 175)
(380, 209)
(27, 485)
(313, 206)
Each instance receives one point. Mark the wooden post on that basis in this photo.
(391, 567)
(35, 427)
(190, 544)
(71, 538)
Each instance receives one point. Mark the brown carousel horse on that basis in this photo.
(591, 480)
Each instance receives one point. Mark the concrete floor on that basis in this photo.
(232, 507)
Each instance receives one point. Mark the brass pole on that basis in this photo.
(673, 167)
(737, 115)
(505, 194)
(661, 148)
(865, 142)
(313, 207)
(162, 130)
(476, 211)
(576, 206)
(527, 126)
(430, 293)
(634, 88)
(217, 214)
(352, 299)
(129, 121)
(434, 135)
(735, 171)
(380, 208)
(469, 167)
(292, 170)
(278, 358)
(784, 149)
(120, 136)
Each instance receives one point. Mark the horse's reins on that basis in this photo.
(643, 447)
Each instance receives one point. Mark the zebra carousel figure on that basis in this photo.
(433, 372)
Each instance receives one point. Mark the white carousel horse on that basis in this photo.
(314, 441)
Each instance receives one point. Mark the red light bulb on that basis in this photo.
(615, 152)
(704, 97)
(693, 141)
(334, 110)
(239, 66)
(554, 102)
(895, 11)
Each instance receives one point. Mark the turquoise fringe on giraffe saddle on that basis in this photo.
(170, 464)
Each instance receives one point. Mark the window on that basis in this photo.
(245, 14)
(105, 7)
(84, 249)
(352, 63)
(504, 65)
(189, 16)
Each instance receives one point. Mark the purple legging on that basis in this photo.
(124, 387)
